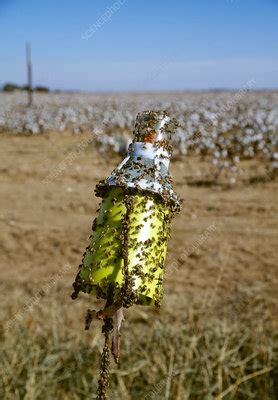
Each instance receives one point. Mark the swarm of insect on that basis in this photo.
(124, 262)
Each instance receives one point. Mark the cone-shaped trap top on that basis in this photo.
(145, 168)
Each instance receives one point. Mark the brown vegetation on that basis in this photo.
(214, 336)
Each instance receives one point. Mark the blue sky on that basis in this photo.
(140, 45)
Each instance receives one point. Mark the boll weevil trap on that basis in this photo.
(125, 260)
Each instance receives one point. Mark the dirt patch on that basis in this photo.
(48, 206)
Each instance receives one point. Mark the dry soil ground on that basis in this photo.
(222, 254)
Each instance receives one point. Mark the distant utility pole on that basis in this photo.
(29, 74)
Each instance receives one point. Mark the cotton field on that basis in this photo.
(221, 127)
(217, 326)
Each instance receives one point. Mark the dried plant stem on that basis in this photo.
(127, 292)
(103, 382)
(245, 378)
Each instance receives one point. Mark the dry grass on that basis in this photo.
(193, 357)
(215, 336)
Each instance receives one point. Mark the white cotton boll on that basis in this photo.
(35, 128)
(183, 148)
(236, 159)
(232, 180)
(195, 117)
(234, 168)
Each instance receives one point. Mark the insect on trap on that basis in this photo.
(124, 262)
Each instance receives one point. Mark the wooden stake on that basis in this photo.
(29, 74)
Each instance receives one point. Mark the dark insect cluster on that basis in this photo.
(134, 236)
(129, 241)
(125, 260)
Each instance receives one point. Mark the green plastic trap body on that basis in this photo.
(131, 229)
(125, 259)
